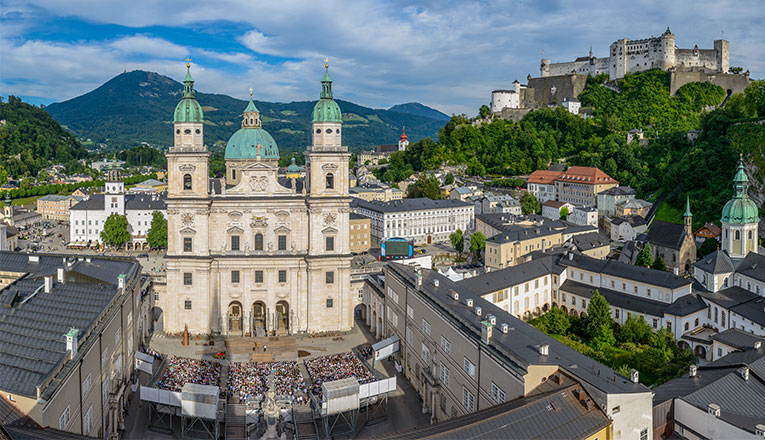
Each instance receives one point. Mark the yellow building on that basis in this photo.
(360, 237)
(55, 207)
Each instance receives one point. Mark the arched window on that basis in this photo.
(187, 182)
(233, 174)
(330, 181)
(696, 323)
(749, 235)
(737, 236)
(686, 326)
(258, 242)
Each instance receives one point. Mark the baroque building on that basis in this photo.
(253, 253)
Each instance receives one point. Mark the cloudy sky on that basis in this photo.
(442, 53)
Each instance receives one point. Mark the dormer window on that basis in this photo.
(187, 131)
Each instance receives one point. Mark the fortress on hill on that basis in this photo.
(562, 83)
(631, 56)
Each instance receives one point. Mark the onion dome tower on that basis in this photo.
(739, 218)
(250, 143)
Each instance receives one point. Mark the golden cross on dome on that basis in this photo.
(326, 63)
(188, 62)
(250, 92)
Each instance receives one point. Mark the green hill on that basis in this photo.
(30, 139)
(415, 108)
(137, 107)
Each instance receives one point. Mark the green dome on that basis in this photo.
(326, 110)
(188, 110)
(293, 168)
(740, 209)
(242, 144)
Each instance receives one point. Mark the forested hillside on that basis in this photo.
(669, 164)
(30, 139)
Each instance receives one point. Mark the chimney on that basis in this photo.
(492, 319)
(757, 345)
(71, 342)
(571, 256)
(87, 259)
(469, 302)
(486, 330)
(478, 310)
(634, 375)
(544, 349)
(713, 409)
(417, 276)
(121, 281)
(759, 429)
(455, 295)
(48, 284)
(60, 275)
(744, 372)
(693, 369)
(435, 283)
(504, 327)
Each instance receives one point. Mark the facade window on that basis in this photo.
(409, 336)
(330, 302)
(258, 242)
(469, 367)
(644, 434)
(443, 375)
(497, 394)
(187, 304)
(329, 243)
(468, 400)
(86, 385)
(425, 354)
(282, 276)
(258, 276)
(105, 389)
(187, 247)
(446, 346)
(426, 327)
(234, 242)
(63, 419)
(329, 277)
(330, 181)
(87, 422)
(616, 313)
(282, 242)
(187, 278)
(234, 277)
(187, 182)
(738, 235)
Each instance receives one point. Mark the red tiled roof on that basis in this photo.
(586, 175)
(711, 227)
(543, 176)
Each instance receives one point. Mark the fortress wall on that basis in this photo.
(706, 58)
(565, 86)
(736, 83)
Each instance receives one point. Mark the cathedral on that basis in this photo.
(254, 253)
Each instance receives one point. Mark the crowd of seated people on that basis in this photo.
(335, 367)
(154, 353)
(179, 371)
(251, 379)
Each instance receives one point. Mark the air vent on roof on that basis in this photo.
(744, 372)
(713, 409)
(504, 327)
(544, 349)
(455, 295)
(48, 284)
(34, 258)
(634, 376)
(492, 319)
(759, 429)
(435, 283)
(757, 345)
(478, 310)
(469, 302)
(693, 369)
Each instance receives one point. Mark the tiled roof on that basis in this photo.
(94, 203)
(499, 279)
(713, 228)
(543, 176)
(669, 235)
(619, 191)
(753, 266)
(627, 271)
(585, 175)
(553, 204)
(616, 299)
(715, 263)
(738, 339)
(411, 204)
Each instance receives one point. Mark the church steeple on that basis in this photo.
(188, 82)
(326, 82)
(687, 216)
(251, 116)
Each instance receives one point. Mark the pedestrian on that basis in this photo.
(264, 347)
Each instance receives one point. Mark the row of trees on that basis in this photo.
(27, 190)
(116, 232)
(634, 344)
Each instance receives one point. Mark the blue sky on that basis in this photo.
(445, 54)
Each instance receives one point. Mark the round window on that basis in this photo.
(197, 131)
(187, 131)
(178, 131)
(318, 130)
(337, 131)
(329, 130)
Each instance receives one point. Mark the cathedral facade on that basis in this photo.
(253, 253)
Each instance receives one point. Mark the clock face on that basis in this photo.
(187, 219)
(329, 219)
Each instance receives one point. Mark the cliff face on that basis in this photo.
(756, 183)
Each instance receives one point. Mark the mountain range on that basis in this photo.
(137, 106)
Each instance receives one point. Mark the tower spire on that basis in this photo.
(687, 207)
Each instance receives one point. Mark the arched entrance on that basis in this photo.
(282, 317)
(565, 309)
(700, 352)
(544, 308)
(430, 239)
(235, 317)
(583, 314)
(682, 345)
(373, 325)
(157, 321)
(360, 312)
(259, 318)
(574, 313)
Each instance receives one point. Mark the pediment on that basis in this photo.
(282, 229)
(187, 231)
(329, 230)
(235, 230)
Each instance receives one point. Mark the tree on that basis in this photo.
(157, 235)
(644, 257)
(598, 324)
(557, 321)
(658, 264)
(115, 231)
(634, 330)
(706, 248)
(449, 179)
(564, 213)
(458, 240)
(475, 168)
(484, 112)
(529, 204)
(425, 187)
(477, 243)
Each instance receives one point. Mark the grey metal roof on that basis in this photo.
(412, 204)
(753, 310)
(669, 235)
(624, 270)
(619, 191)
(753, 266)
(518, 346)
(558, 414)
(685, 305)
(737, 339)
(717, 262)
(94, 203)
(682, 386)
(742, 402)
(145, 202)
(729, 297)
(32, 343)
(500, 279)
(525, 233)
(592, 240)
(616, 299)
